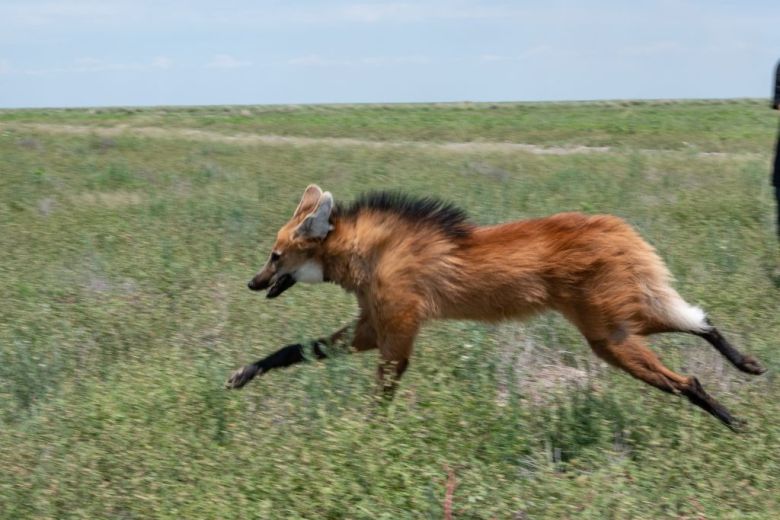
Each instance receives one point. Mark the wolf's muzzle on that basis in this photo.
(275, 286)
(280, 285)
(254, 285)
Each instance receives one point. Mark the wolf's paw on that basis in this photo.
(751, 365)
(242, 376)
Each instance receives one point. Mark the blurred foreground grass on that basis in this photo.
(123, 263)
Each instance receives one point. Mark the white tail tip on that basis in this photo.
(687, 317)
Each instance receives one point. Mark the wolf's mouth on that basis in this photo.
(280, 285)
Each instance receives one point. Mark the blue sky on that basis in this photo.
(139, 52)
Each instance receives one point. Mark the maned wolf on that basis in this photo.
(409, 260)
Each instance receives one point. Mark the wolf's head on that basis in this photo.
(294, 255)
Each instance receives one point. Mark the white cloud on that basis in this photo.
(381, 61)
(89, 64)
(226, 61)
(19, 15)
(162, 62)
(373, 13)
(36, 13)
(652, 49)
(315, 60)
(423, 11)
(32, 14)
(550, 52)
(543, 52)
(496, 58)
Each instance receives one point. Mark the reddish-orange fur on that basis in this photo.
(595, 270)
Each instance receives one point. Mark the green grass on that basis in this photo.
(728, 125)
(123, 264)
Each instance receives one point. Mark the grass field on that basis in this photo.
(127, 237)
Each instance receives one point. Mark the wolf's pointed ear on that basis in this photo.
(316, 225)
(311, 196)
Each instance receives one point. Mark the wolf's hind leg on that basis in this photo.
(675, 315)
(634, 357)
(744, 362)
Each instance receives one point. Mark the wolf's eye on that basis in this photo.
(275, 256)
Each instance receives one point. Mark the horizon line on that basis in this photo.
(391, 103)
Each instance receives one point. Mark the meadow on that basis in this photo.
(127, 236)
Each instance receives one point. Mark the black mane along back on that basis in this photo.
(446, 216)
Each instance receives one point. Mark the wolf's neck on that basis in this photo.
(343, 257)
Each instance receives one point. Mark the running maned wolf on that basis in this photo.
(409, 260)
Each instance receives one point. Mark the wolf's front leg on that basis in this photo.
(355, 337)
(283, 357)
(395, 348)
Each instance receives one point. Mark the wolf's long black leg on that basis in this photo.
(284, 357)
(355, 337)
(696, 394)
(742, 361)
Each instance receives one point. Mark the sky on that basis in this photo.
(140, 52)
